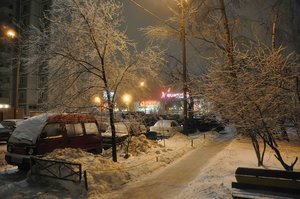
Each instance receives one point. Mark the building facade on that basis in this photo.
(30, 92)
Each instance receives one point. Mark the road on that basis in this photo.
(168, 182)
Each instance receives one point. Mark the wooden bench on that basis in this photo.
(255, 183)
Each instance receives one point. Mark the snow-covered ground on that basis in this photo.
(146, 158)
(214, 181)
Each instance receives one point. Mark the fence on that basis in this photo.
(62, 170)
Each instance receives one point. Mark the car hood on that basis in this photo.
(29, 130)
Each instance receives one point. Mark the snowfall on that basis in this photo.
(108, 179)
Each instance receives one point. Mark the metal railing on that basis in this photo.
(57, 169)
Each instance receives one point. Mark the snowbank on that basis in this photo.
(215, 179)
(104, 175)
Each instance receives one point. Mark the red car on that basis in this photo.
(44, 133)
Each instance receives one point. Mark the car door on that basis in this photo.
(92, 136)
(75, 135)
(177, 127)
(51, 138)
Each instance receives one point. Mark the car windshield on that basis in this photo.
(163, 123)
(159, 123)
(8, 124)
(1, 126)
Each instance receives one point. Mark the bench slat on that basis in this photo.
(269, 182)
(253, 194)
(268, 173)
(295, 192)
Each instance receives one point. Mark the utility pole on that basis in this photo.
(184, 73)
(17, 70)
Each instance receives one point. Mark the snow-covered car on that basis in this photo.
(11, 124)
(166, 128)
(123, 130)
(126, 128)
(4, 133)
(44, 133)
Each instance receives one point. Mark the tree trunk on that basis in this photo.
(280, 159)
(263, 152)
(191, 108)
(113, 131)
(274, 31)
(257, 150)
(273, 145)
(227, 36)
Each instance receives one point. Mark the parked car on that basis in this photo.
(11, 124)
(208, 123)
(4, 133)
(123, 130)
(44, 133)
(165, 128)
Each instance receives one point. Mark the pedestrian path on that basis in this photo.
(169, 181)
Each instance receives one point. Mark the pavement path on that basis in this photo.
(171, 180)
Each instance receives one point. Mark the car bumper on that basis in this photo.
(17, 159)
(163, 133)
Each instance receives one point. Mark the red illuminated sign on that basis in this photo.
(148, 103)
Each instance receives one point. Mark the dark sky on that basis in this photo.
(137, 18)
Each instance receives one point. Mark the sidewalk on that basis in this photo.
(169, 181)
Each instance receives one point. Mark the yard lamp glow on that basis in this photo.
(127, 99)
(97, 100)
(142, 84)
(10, 33)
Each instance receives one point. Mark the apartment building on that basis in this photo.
(19, 15)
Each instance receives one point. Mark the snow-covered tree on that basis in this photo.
(259, 98)
(84, 49)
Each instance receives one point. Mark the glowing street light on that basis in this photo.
(97, 100)
(142, 84)
(10, 33)
(4, 106)
(127, 99)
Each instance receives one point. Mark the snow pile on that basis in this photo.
(103, 174)
(2, 158)
(148, 156)
(215, 179)
(141, 145)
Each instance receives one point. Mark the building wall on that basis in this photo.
(8, 11)
(25, 13)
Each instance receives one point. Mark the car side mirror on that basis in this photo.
(43, 135)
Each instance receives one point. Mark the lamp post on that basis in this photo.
(184, 71)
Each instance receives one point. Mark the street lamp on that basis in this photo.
(97, 100)
(127, 99)
(183, 45)
(10, 33)
(142, 84)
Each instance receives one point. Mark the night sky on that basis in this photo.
(137, 18)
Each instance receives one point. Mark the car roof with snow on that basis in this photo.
(29, 130)
(164, 122)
